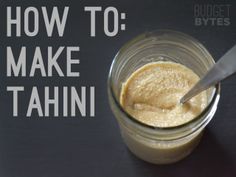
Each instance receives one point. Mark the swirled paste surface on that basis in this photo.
(152, 93)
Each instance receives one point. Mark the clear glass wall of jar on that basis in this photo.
(154, 144)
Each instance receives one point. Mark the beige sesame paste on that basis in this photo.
(152, 94)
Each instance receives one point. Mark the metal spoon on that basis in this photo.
(221, 70)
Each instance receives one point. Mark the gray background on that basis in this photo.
(92, 147)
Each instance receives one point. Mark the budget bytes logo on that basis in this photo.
(212, 14)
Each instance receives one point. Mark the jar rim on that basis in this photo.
(216, 90)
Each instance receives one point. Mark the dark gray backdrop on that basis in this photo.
(92, 147)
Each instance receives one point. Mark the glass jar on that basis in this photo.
(155, 144)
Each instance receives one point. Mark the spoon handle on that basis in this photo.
(222, 69)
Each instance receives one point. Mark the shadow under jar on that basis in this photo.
(157, 144)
